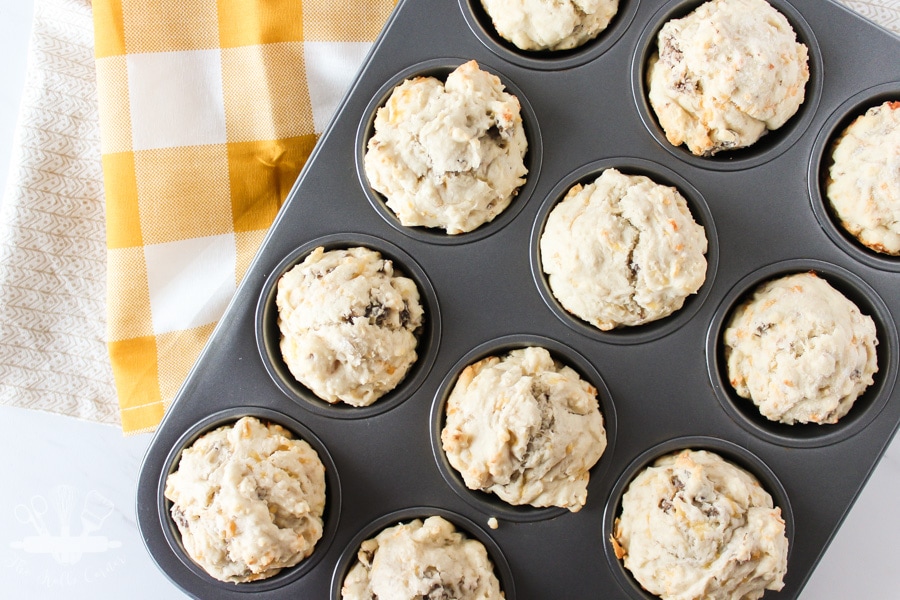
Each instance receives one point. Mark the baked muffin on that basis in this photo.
(623, 251)
(725, 74)
(694, 526)
(526, 428)
(419, 559)
(448, 155)
(348, 323)
(248, 500)
(550, 24)
(864, 178)
(800, 350)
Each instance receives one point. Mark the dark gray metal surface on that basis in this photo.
(663, 381)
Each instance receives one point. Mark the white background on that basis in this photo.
(74, 469)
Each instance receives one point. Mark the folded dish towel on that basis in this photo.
(52, 231)
(883, 12)
(207, 111)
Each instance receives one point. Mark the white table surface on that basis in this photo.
(73, 469)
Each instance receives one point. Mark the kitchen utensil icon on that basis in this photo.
(34, 513)
(63, 501)
(96, 509)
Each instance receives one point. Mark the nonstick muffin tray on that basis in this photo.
(662, 386)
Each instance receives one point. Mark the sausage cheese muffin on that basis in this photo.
(422, 559)
(694, 526)
(526, 428)
(348, 322)
(248, 500)
(726, 74)
(864, 178)
(550, 24)
(800, 350)
(448, 155)
(623, 251)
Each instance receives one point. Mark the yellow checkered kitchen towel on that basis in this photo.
(208, 111)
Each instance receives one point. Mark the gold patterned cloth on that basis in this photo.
(52, 229)
(155, 143)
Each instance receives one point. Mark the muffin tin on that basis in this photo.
(661, 386)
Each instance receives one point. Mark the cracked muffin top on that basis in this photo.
(864, 179)
(695, 526)
(448, 155)
(248, 500)
(726, 74)
(525, 427)
(422, 559)
(800, 350)
(550, 24)
(348, 323)
(623, 251)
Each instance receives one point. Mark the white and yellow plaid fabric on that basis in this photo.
(208, 111)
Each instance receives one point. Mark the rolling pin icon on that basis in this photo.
(67, 548)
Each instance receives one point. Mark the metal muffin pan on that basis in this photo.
(661, 386)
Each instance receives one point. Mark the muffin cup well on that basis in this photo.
(699, 210)
(268, 335)
(820, 162)
(805, 435)
(462, 524)
(548, 60)
(440, 68)
(490, 504)
(729, 451)
(331, 515)
(770, 145)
